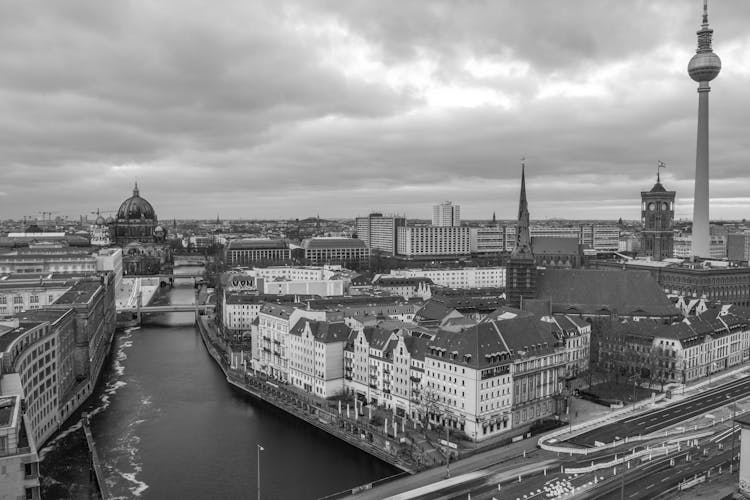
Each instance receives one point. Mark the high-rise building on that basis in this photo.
(520, 274)
(425, 241)
(657, 217)
(446, 214)
(379, 232)
(703, 67)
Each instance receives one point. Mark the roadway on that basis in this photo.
(640, 480)
(484, 483)
(657, 420)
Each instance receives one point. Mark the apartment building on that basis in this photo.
(427, 241)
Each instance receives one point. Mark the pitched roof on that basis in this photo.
(434, 310)
(595, 291)
(377, 337)
(279, 310)
(495, 343)
(552, 245)
(322, 331)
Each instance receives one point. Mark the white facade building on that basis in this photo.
(446, 214)
(416, 241)
(467, 277)
(379, 232)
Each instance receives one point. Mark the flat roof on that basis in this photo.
(80, 293)
(9, 336)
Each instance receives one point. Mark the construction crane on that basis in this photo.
(48, 216)
(100, 212)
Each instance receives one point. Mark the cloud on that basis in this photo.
(285, 109)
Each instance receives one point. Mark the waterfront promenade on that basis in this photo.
(351, 429)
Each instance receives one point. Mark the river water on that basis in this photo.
(167, 425)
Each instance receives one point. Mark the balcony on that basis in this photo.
(373, 386)
(267, 349)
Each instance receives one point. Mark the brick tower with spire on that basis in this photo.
(520, 273)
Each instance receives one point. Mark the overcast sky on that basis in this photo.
(287, 109)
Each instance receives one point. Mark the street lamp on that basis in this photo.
(260, 448)
(734, 414)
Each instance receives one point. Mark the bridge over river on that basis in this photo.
(169, 308)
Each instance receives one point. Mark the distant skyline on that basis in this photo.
(290, 109)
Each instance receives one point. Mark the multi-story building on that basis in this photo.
(385, 366)
(464, 277)
(316, 356)
(446, 214)
(487, 240)
(253, 251)
(19, 459)
(324, 288)
(275, 322)
(600, 237)
(575, 335)
(403, 287)
(717, 282)
(493, 377)
(365, 309)
(717, 246)
(738, 246)
(48, 260)
(379, 232)
(18, 294)
(50, 361)
(679, 352)
(434, 241)
(335, 250)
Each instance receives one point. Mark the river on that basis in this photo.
(167, 425)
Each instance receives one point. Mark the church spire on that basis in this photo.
(523, 237)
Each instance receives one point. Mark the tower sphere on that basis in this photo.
(704, 66)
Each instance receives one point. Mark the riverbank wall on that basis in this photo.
(304, 410)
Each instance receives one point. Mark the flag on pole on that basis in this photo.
(261, 448)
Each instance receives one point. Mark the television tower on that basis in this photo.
(703, 67)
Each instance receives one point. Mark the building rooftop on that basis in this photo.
(325, 243)
(257, 244)
(9, 336)
(41, 315)
(81, 293)
(600, 292)
(322, 331)
(399, 281)
(550, 245)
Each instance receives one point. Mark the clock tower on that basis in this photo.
(657, 217)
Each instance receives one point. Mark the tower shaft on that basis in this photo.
(701, 230)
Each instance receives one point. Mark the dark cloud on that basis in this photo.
(276, 109)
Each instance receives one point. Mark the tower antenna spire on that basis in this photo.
(705, 11)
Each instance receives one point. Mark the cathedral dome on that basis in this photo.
(99, 221)
(135, 208)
